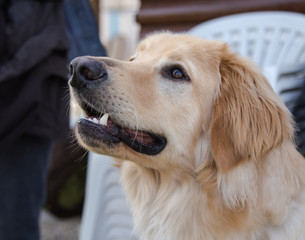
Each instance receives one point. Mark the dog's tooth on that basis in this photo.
(83, 114)
(95, 120)
(104, 119)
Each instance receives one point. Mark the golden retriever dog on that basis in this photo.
(205, 146)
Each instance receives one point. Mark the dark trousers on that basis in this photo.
(23, 172)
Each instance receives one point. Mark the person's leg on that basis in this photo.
(23, 171)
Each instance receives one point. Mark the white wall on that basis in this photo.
(119, 31)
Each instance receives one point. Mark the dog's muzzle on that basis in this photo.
(86, 71)
(88, 77)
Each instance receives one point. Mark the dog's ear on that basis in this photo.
(248, 117)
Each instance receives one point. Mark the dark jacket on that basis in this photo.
(33, 70)
(82, 29)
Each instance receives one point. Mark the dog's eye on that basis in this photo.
(175, 73)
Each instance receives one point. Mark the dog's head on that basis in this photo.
(178, 101)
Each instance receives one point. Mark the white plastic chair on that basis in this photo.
(274, 40)
(106, 215)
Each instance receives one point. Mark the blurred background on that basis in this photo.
(119, 33)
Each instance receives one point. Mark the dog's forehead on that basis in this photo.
(165, 43)
(173, 46)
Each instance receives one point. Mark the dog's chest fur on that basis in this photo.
(171, 210)
(162, 210)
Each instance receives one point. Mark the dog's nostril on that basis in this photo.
(85, 72)
(92, 74)
(91, 70)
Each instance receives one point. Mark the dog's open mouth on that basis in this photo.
(99, 127)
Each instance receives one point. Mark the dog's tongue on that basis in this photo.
(129, 135)
(142, 142)
(139, 136)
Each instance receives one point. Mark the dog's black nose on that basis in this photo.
(85, 71)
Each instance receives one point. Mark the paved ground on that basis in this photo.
(56, 229)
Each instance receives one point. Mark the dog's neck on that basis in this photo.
(159, 200)
(165, 199)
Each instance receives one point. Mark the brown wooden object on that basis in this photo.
(181, 15)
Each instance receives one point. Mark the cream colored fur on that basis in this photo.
(230, 170)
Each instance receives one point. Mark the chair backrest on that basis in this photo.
(106, 213)
(272, 39)
(115, 220)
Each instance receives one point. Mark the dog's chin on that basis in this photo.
(109, 136)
